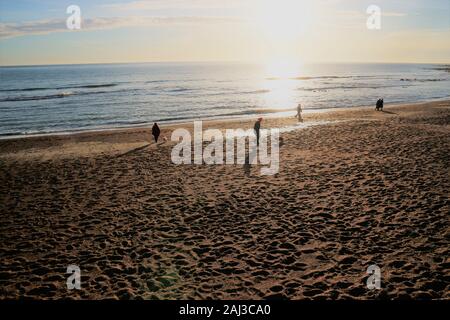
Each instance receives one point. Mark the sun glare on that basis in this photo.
(282, 69)
(280, 84)
(284, 19)
(282, 25)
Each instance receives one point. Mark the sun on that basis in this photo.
(283, 25)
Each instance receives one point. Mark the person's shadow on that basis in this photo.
(250, 156)
(389, 112)
(134, 150)
(247, 165)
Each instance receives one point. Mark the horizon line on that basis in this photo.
(209, 61)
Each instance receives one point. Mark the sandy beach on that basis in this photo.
(366, 188)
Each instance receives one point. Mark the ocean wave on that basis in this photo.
(174, 119)
(53, 96)
(349, 87)
(442, 68)
(237, 92)
(179, 90)
(255, 91)
(157, 81)
(125, 122)
(260, 111)
(422, 80)
(247, 112)
(67, 94)
(320, 77)
(31, 98)
(24, 90)
(254, 112)
(88, 86)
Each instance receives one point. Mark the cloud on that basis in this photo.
(195, 4)
(393, 14)
(352, 19)
(10, 30)
(175, 4)
(362, 14)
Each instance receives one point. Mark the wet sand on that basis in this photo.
(372, 189)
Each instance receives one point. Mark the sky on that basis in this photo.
(269, 31)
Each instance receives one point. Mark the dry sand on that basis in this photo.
(371, 190)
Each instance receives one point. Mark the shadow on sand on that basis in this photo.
(248, 163)
(133, 150)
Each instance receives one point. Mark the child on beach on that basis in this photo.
(299, 113)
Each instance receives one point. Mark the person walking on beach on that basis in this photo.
(299, 113)
(156, 132)
(378, 105)
(381, 104)
(257, 130)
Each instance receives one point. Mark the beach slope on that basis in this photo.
(368, 188)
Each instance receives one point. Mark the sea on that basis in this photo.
(72, 98)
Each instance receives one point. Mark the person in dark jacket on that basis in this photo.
(156, 132)
(378, 105)
(257, 130)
